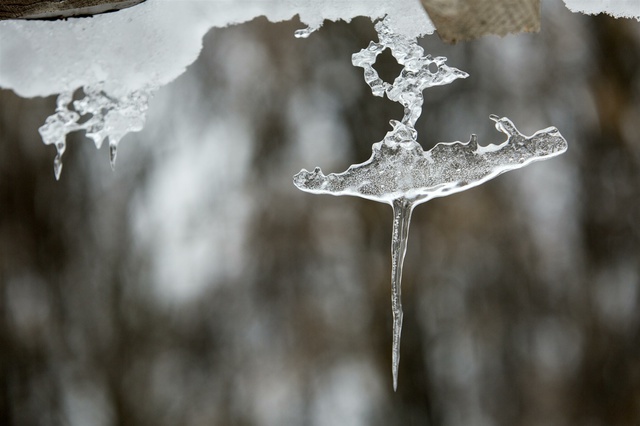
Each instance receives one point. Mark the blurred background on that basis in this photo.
(195, 285)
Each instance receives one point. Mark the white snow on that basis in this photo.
(616, 8)
(130, 54)
(151, 44)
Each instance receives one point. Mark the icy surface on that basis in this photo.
(100, 115)
(616, 8)
(402, 174)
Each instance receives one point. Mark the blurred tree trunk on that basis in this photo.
(608, 383)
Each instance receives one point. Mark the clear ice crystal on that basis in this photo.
(419, 72)
(400, 169)
(107, 117)
(402, 174)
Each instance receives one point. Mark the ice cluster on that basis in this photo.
(402, 174)
(100, 115)
(154, 42)
(116, 57)
(418, 72)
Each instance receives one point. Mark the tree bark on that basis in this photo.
(60, 9)
(469, 19)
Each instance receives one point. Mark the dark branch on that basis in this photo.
(30, 9)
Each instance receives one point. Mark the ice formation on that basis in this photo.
(100, 115)
(402, 174)
(400, 169)
(416, 76)
(116, 57)
(151, 44)
(154, 42)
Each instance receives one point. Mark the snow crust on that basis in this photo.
(616, 8)
(151, 44)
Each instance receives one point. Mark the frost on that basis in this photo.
(402, 174)
(100, 115)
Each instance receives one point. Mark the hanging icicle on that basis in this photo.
(402, 174)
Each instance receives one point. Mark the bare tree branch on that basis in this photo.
(30, 9)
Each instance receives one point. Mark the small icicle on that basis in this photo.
(402, 209)
(57, 166)
(113, 154)
(61, 147)
(103, 116)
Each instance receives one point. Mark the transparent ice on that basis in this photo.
(100, 115)
(402, 174)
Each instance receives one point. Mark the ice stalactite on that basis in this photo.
(402, 174)
(100, 115)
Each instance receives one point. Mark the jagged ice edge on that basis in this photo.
(107, 117)
(416, 76)
(399, 168)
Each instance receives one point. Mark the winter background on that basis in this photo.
(195, 285)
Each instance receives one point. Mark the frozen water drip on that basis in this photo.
(402, 174)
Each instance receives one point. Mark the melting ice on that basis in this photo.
(402, 174)
(106, 117)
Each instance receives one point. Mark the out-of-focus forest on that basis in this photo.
(195, 285)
